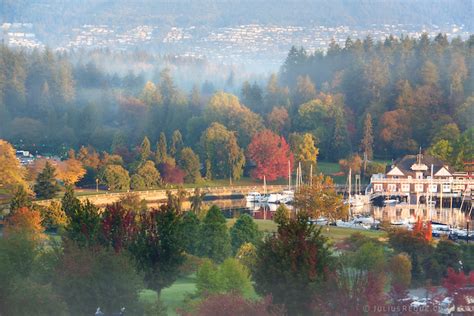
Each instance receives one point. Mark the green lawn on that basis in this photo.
(173, 296)
(332, 232)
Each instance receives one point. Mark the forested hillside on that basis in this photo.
(388, 98)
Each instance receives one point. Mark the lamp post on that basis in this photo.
(467, 233)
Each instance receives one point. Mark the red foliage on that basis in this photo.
(351, 295)
(271, 153)
(236, 305)
(118, 226)
(459, 286)
(171, 174)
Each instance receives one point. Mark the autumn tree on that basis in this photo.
(70, 171)
(227, 110)
(353, 163)
(237, 305)
(12, 173)
(150, 94)
(27, 222)
(278, 120)
(118, 226)
(271, 154)
(305, 151)
(320, 199)
(46, 186)
(305, 90)
(220, 148)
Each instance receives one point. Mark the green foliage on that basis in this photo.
(84, 224)
(189, 162)
(137, 182)
(149, 174)
(214, 241)
(145, 149)
(53, 216)
(245, 230)
(400, 270)
(21, 293)
(190, 232)
(247, 255)
(116, 177)
(229, 277)
(92, 277)
(46, 186)
(448, 255)
(157, 247)
(220, 148)
(282, 215)
(291, 264)
(20, 198)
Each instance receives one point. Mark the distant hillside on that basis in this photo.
(66, 13)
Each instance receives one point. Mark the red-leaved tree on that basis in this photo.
(236, 305)
(271, 154)
(118, 226)
(459, 286)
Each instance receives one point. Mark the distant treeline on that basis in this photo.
(387, 97)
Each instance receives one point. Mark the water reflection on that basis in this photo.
(395, 213)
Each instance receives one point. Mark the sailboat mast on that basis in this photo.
(289, 175)
(350, 189)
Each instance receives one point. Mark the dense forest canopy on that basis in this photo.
(389, 98)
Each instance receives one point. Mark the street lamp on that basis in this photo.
(467, 233)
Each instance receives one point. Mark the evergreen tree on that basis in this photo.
(46, 185)
(20, 199)
(161, 150)
(176, 144)
(214, 241)
(145, 150)
(190, 232)
(367, 142)
(244, 230)
(290, 264)
(69, 203)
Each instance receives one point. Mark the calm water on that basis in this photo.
(454, 217)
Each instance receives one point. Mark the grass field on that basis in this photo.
(332, 232)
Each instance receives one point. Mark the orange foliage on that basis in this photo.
(69, 171)
(423, 229)
(25, 221)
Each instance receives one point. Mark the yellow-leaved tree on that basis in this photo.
(12, 174)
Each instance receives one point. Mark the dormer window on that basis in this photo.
(419, 175)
